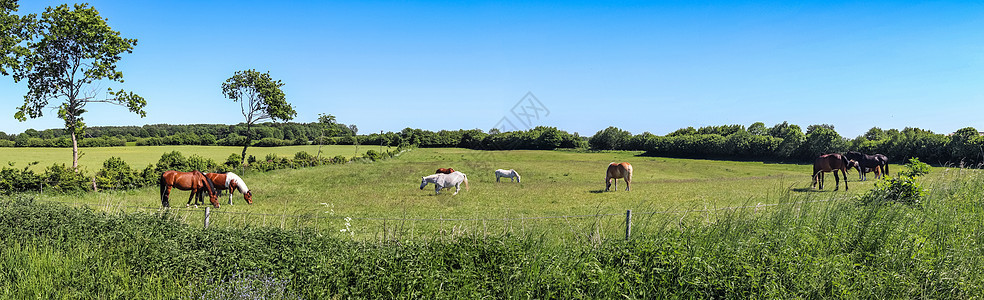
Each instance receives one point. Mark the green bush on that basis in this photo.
(915, 168)
(117, 175)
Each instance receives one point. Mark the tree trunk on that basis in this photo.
(75, 153)
(249, 138)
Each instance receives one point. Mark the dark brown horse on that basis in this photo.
(616, 171)
(194, 181)
(877, 162)
(444, 171)
(831, 163)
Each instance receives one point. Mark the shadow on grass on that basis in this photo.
(596, 191)
(806, 190)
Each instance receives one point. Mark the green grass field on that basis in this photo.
(493, 241)
(140, 156)
(555, 184)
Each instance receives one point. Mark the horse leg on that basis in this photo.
(608, 183)
(497, 178)
(437, 189)
(626, 184)
(192, 197)
(166, 196)
(457, 187)
(230, 195)
(837, 180)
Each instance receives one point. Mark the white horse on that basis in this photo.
(234, 181)
(506, 173)
(445, 181)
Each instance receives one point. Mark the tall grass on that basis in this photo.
(812, 245)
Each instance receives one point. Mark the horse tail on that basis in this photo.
(846, 163)
(208, 182)
(466, 181)
(163, 185)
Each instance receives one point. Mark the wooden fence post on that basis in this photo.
(208, 214)
(628, 224)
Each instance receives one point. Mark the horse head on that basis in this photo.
(423, 182)
(248, 196)
(213, 196)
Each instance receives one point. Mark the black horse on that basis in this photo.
(877, 163)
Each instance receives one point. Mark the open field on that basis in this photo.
(555, 184)
(140, 156)
(489, 242)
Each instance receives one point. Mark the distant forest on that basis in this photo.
(781, 142)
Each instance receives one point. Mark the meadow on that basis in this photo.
(561, 194)
(701, 228)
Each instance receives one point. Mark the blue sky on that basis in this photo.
(641, 66)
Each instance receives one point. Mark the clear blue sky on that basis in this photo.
(641, 66)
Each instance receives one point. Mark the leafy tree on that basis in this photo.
(875, 134)
(259, 97)
(71, 50)
(821, 139)
(962, 145)
(611, 138)
(682, 131)
(758, 128)
(792, 138)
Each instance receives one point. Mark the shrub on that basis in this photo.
(915, 168)
(117, 175)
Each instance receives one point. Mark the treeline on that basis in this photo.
(286, 134)
(538, 138)
(786, 141)
(265, 134)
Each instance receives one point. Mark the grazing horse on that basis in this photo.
(229, 181)
(194, 181)
(884, 161)
(444, 171)
(445, 181)
(831, 163)
(616, 171)
(506, 173)
(868, 162)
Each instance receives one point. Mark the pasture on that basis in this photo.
(383, 197)
(403, 242)
(140, 156)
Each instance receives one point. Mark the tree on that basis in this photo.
(327, 123)
(758, 128)
(259, 97)
(68, 51)
(611, 138)
(822, 139)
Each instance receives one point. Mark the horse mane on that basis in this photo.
(208, 182)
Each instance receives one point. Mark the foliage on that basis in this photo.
(117, 175)
(260, 98)
(903, 188)
(73, 49)
(915, 168)
(610, 138)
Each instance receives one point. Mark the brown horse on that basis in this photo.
(228, 181)
(444, 171)
(831, 163)
(616, 171)
(194, 181)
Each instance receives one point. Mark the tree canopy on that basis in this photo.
(259, 97)
(67, 50)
